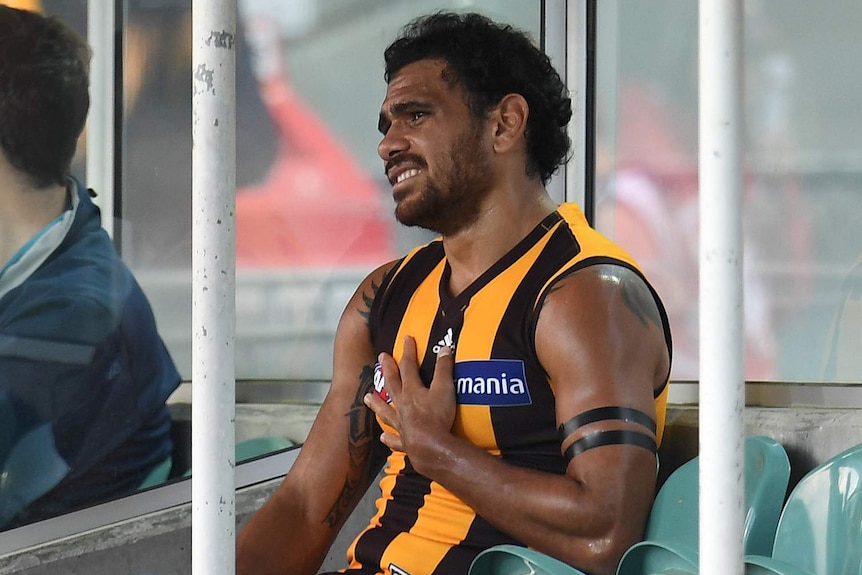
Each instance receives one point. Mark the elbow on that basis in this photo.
(597, 555)
(607, 555)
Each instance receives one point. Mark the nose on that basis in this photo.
(392, 144)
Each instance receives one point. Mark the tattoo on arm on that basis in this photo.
(368, 299)
(363, 448)
(639, 299)
(636, 295)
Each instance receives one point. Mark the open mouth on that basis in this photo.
(406, 175)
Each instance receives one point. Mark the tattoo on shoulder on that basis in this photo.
(634, 291)
(368, 300)
(363, 448)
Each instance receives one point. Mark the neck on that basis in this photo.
(25, 211)
(504, 220)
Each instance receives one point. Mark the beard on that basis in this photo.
(452, 202)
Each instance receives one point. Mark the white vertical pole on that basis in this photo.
(554, 26)
(100, 123)
(576, 80)
(213, 285)
(722, 377)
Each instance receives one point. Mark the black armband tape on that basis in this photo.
(610, 437)
(606, 413)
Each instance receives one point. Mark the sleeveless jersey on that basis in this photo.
(505, 400)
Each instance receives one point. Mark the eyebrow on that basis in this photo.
(398, 109)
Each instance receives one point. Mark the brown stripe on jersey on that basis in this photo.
(409, 491)
(437, 529)
(481, 536)
(406, 491)
(439, 327)
(410, 488)
(485, 327)
(526, 435)
(396, 297)
(462, 300)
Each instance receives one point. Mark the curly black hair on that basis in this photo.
(490, 60)
(44, 97)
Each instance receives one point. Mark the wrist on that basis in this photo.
(436, 455)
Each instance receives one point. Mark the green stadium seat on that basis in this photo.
(257, 446)
(158, 475)
(820, 529)
(671, 542)
(517, 560)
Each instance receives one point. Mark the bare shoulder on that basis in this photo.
(604, 319)
(603, 288)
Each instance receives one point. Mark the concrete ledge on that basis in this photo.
(810, 435)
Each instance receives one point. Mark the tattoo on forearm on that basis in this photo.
(361, 446)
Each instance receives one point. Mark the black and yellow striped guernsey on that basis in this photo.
(505, 400)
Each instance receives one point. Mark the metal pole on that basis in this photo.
(554, 45)
(213, 286)
(100, 123)
(722, 377)
(576, 80)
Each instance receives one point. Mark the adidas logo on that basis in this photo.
(447, 341)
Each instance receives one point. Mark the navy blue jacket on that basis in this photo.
(80, 355)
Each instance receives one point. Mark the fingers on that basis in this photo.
(391, 375)
(382, 409)
(443, 372)
(388, 416)
(392, 441)
(408, 368)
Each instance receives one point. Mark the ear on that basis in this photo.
(510, 122)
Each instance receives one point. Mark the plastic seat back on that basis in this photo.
(672, 533)
(674, 513)
(767, 474)
(515, 560)
(820, 530)
(257, 446)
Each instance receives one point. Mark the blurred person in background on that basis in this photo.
(84, 375)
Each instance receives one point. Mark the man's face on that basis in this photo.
(435, 152)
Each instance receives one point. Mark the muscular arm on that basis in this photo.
(292, 532)
(600, 340)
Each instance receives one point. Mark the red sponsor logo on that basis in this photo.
(379, 383)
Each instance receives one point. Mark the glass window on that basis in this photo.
(313, 211)
(802, 175)
(84, 378)
(314, 214)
